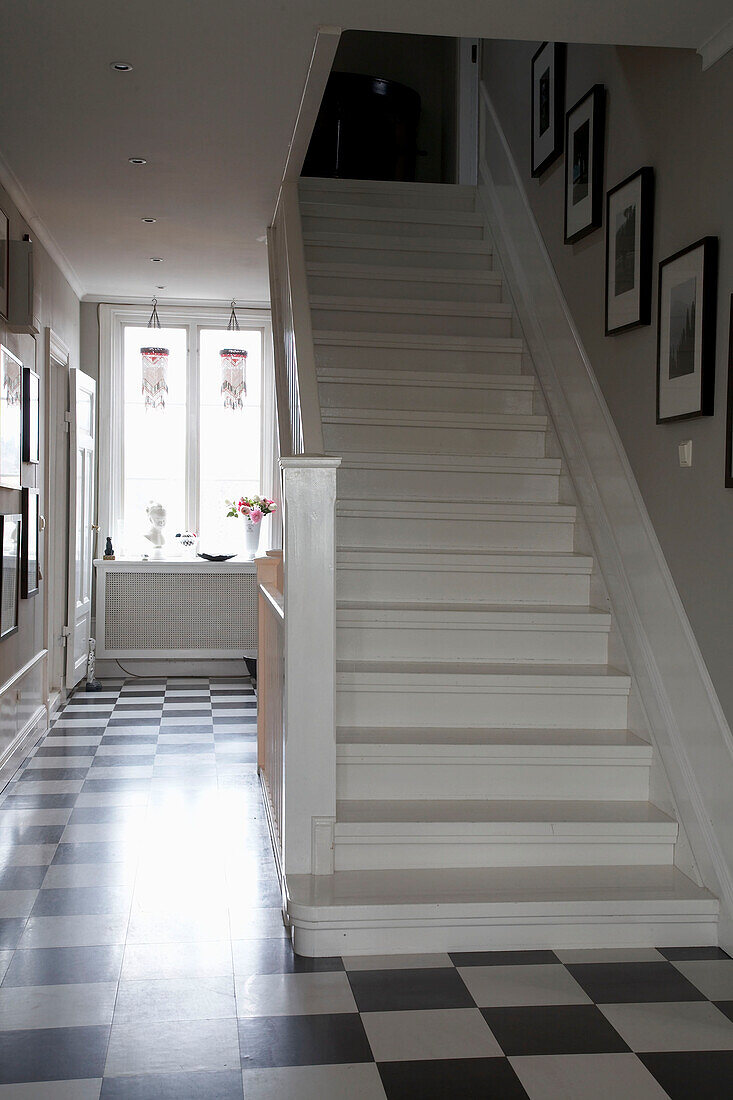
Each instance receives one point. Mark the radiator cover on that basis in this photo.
(177, 609)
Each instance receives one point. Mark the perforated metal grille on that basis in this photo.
(192, 611)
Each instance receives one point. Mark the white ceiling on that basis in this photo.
(211, 104)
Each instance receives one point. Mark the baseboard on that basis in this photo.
(31, 733)
(149, 667)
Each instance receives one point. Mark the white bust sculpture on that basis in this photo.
(157, 517)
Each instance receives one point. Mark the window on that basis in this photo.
(193, 454)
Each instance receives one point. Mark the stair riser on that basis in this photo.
(417, 397)
(511, 442)
(416, 199)
(464, 534)
(491, 780)
(349, 253)
(439, 643)
(343, 320)
(442, 484)
(429, 706)
(355, 583)
(389, 227)
(393, 853)
(352, 286)
(456, 361)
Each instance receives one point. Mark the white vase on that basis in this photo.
(251, 538)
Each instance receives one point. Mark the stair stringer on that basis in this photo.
(674, 695)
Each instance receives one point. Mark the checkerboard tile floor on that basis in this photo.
(143, 957)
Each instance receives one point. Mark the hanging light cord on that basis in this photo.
(233, 325)
(154, 321)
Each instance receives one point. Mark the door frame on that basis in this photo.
(467, 122)
(56, 511)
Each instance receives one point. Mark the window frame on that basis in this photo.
(113, 320)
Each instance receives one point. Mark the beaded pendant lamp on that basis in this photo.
(233, 368)
(155, 368)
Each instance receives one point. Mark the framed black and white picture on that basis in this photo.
(10, 533)
(11, 383)
(29, 571)
(686, 332)
(584, 137)
(4, 262)
(629, 243)
(729, 423)
(31, 416)
(548, 105)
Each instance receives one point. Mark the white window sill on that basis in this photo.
(182, 565)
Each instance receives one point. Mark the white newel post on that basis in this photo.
(309, 812)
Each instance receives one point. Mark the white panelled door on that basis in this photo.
(82, 419)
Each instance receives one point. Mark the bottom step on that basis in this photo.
(394, 912)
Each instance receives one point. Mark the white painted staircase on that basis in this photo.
(490, 793)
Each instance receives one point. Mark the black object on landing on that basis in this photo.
(366, 129)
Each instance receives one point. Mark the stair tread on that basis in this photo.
(451, 737)
(401, 417)
(500, 811)
(405, 274)
(418, 340)
(398, 244)
(464, 380)
(471, 463)
(516, 559)
(492, 888)
(417, 506)
(554, 673)
(545, 611)
(325, 209)
(368, 304)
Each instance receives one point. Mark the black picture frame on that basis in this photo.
(11, 418)
(10, 538)
(585, 125)
(629, 276)
(29, 557)
(686, 319)
(31, 416)
(729, 418)
(548, 105)
(4, 262)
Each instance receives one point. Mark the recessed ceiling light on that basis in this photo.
(149, 221)
(156, 259)
(160, 286)
(120, 66)
(136, 160)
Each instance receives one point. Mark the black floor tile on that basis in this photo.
(185, 748)
(52, 1054)
(21, 878)
(553, 1029)
(66, 750)
(200, 1085)
(502, 958)
(64, 966)
(393, 990)
(130, 739)
(185, 731)
(141, 761)
(278, 957)
(726, 1007)
(680, 954)
(702, 1074)
(38, 802)
(11, 929)
(128, 720)
(93, 851)
(38, 774)
(451, 1079)
(90, 729)
(30, 834)
(82, 901)
(314, 1040)
(99, 786)
(104, 815)
(620, 983)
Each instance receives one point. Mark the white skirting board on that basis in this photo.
(684, 715)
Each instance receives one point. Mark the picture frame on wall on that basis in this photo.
(31, 416)
(629, 246)
(11, 385)
(688, 283)
(4, 262)
(548, 105)
(584, 142)
(10, 536)
(729, 421)
(29, 564)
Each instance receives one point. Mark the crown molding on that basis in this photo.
(37, 227)
(717, 45)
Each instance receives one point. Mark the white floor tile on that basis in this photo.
(172, 1047)
(395, 962)
(713, 977)
(294, 994)
(671, 1025)
(81, 931)
(432, 1033)
(360, 1081)
(177, 960)
(87, 1089)
(581, 1076)
(502, 986)
(42, 1006)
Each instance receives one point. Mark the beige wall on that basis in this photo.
(663, 111)
(56, 306)
(428, 65)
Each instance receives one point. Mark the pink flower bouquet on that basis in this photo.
(252, 508)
